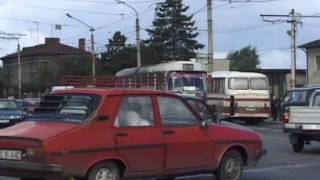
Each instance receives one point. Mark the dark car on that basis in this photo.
(296, 97)
(11, 112)
(31, 104)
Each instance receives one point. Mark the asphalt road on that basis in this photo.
(281, 163)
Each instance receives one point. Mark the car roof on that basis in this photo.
(188, 97)
(15, 100)
(305, 88)
(111, 91)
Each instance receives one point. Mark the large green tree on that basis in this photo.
(120, 55)
(245, 59)
(172, 36)
(115, 44)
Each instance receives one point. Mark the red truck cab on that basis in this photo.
(125, 133)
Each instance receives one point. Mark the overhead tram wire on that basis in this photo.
(132, 2)
(107, 25)
(40, 22)
(74, 10)
(250, 1)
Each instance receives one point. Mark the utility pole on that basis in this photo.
(12, 36)
(91, 28)
(93, 57)
(293, 36)
(210, 36)
(137, 30)
(19, 71)
(294, 19)
(37, 25)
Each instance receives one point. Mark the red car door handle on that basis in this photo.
(121, 134)
(168, 132)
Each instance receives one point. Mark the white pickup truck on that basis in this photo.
(304, 123)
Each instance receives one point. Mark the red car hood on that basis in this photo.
(37, 130)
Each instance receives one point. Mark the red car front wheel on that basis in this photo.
(231, 166)
(104, 171)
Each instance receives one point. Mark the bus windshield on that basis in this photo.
(259, 84)
(238, 83)
(186, 81)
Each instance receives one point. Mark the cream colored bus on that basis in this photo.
(239, 94)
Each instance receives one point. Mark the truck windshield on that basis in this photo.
(66, 107)
(298, 96)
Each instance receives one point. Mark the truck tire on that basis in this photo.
(106, 170)
(231, 166)
(298, 147)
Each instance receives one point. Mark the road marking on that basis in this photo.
(276, 139)
(282, 167)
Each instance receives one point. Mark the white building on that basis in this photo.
(218, 64)
(312, 50)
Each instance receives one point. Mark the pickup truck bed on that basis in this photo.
(303, 126)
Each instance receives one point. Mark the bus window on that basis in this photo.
(259, 84)
(239, 83)
(218, 86)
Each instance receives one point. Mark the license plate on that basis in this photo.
(11, 155)
(4, 121)
(251, 109)
(311, 127)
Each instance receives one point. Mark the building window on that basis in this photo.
(318, 63)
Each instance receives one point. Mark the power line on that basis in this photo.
(242, 29)
(133, 2)
(36, 21)
(250, 1)
(74, 10)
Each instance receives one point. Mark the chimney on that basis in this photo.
(82, 44)
(52, 41)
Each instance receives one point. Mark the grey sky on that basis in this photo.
(236, 25)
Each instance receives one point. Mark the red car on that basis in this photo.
(113, 134)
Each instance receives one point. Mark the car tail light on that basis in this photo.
(35, 155)
(286, 117)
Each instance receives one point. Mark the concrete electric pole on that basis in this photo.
(13, 36)
(137, 30)
(93, 57)
(210, 36)
(294, 19)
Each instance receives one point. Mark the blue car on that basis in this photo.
(10, 112)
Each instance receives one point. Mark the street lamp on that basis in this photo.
(137, 30)
(92, 42)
